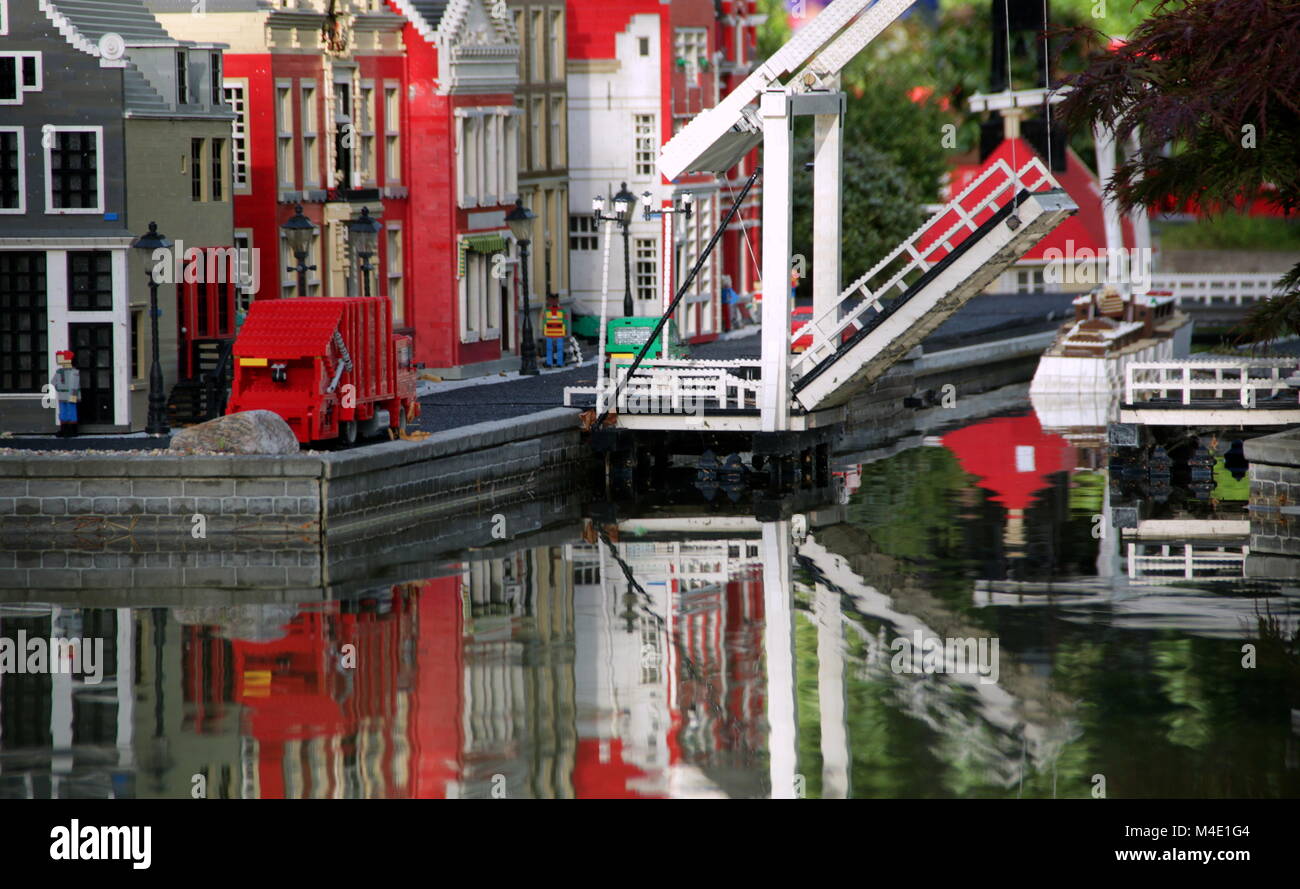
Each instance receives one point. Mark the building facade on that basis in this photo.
(403, 107)
(103, 132)
(639, 71)
(542, 101)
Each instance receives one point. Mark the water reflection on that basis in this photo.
(689, 654)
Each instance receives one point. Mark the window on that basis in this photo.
(90, 280)
(537, 126)
(480, 299)
(236, 96)
(486, 156)
(366, 129)
(20, 72)
(582, 232)
(646, 282)
(182, 79)
(537, 48)
(310, 151)
(643, 46)
(73, 180)
(691, 49)
(344, 135)
(219, 161)
(137, 344)
(243, 244)
(196, 169)
(557, 45)
(4, 17)
(394, 263)
(1030, 281)
(24, 361)
(214, 77)
(284, 132)
(392, 131)
(646, 144)
(13, 171)
(557, 133)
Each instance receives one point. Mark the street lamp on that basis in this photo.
(156, 422)
(520, 220)
(363, 237)
(300, 231)
(624, 203)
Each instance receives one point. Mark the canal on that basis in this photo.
(625, 656)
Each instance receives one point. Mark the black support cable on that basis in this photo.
(681, 291)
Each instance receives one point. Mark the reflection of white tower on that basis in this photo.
(622, 661)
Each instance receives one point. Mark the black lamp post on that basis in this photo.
(520, 220)
(624, 202)
(363, 236)
(299, 231)
(156, 422)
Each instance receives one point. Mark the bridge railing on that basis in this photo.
(1151, 563)
(1211, 290)
(1192, 380)
(929, 244)
(681, 386)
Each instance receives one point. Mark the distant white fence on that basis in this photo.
(1238, 379)
(1212, 290)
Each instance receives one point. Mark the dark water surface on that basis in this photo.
(630, 660)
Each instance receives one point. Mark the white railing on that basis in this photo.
(925, 247)
(1190, 561)
(681, 386)
(1208, 290)
(1239, 379)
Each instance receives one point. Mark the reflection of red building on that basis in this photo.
(1012, 456)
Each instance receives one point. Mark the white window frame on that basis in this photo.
(19, 87)
(240, 148)
(285, 172)
(558, 148)
(308, 99)
(22, 171)
(50, 209)
(4, 17)
(557, 47)
(476, 293)
(645, 250)
(393, 271)
(392, 132)
(645, 145)
(244, 263)
(367, 112)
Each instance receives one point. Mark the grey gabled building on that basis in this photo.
(107, 124)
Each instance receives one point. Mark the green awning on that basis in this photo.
(484, 243)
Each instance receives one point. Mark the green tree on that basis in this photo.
(1213, 87)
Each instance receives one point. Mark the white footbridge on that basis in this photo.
(858, 331)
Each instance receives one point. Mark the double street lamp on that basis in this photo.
(363, 238)
(624, 202)
(156, 422)
(299, 231)
(520, 219)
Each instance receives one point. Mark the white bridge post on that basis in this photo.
(778, 153)
(828, 166)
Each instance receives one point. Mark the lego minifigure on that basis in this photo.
(67, 386)
(555, 327)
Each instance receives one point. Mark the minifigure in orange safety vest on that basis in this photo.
(555, 327)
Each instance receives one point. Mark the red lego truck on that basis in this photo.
(332, 367)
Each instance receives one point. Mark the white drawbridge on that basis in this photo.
(859, 332)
